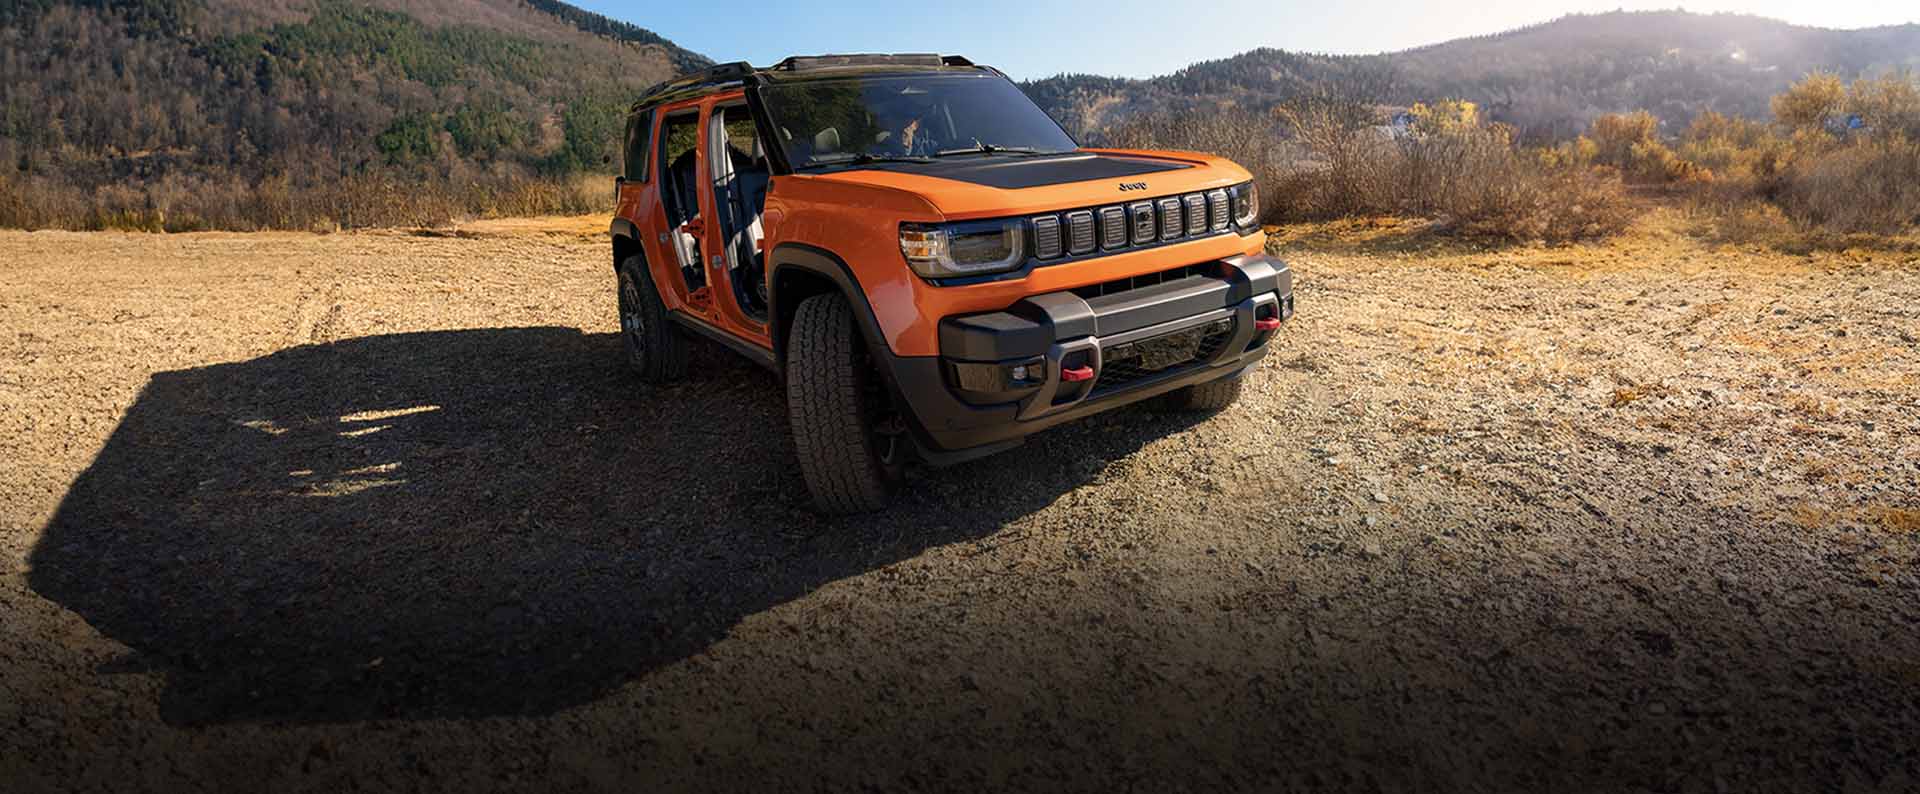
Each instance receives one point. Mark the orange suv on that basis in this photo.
(934, 267)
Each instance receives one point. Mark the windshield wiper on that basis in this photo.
(988, 148)
(864, 158)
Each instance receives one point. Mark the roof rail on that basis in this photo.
(711, 77)
(802, 63)
(725, 75)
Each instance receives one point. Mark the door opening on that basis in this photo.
(679, 193)
(738, 166)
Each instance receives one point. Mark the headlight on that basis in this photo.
(964, 249)
(1246, 204)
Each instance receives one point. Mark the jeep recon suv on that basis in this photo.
(933, 266)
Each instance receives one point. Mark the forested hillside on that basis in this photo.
(189, 113)
(1549, 80)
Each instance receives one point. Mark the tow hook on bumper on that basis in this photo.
(1053, 357)
(1051, 352)
(1212, 339)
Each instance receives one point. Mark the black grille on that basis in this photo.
(1080, 232)
(1092, 291)
(1217, 209)
(1113, 228)
(1119, 374)
(1142, 216)
(1171, 224)
(1046, 236)
(1196, 213)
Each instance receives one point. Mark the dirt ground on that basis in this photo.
(383, 511)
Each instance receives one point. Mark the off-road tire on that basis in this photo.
(656, 348)
(1212, 396)
(828, 377)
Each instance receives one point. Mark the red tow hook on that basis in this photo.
(1076, 374)
(1267, 324)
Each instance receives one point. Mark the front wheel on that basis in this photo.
(850, 442)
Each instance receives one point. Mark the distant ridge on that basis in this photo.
(1548, 79)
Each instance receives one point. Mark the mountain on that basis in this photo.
(1549, 79)
(181, 97)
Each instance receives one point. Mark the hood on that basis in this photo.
(1018, 172)
(989, 186)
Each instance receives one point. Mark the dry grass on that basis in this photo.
(190, 204)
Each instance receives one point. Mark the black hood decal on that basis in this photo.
(1013, 172)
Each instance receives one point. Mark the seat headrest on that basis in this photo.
(827, 141)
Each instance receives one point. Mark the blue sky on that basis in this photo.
(1136, 38)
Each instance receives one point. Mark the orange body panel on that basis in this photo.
(639, 202)
(856, 214)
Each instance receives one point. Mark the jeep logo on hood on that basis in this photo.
(1126, 186)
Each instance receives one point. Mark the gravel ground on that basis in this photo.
(382, 511)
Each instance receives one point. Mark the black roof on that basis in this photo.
(720, 77)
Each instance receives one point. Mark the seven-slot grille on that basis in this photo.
(1120, 226)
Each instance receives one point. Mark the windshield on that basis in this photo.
(864, 119)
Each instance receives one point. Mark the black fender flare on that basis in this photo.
(623, 228)
(792, 257)
(815, 261)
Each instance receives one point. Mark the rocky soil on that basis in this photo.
(382, 511)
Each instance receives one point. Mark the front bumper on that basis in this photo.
(1224, 316)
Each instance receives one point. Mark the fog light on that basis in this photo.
(990, 382)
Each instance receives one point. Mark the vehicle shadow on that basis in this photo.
(470, 523)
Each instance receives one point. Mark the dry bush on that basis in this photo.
(1615, 134)
(1889, 103)
(177, 203)
(1839, 161)
(1809, 103)
(1735, 150)
(1451, 167)
(1871, 186)
(1343, 167)
(1631, 143)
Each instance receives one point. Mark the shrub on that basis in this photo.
(1631, 143)
(1809, 103)
(1887, 105)
(1473, 179)
(179, 204)
(1822, 176)
(1451, 167)
(1872, 186)
(1735, 150)
(1615, 135)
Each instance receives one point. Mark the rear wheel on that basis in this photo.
(850, 440)
(1212, 396)
(656, 348)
